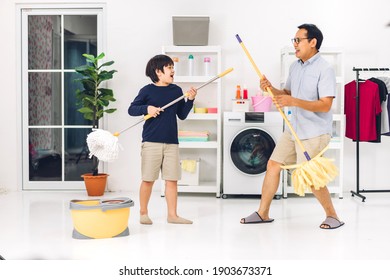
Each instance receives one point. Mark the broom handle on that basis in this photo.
(146, 117)
(272, 95)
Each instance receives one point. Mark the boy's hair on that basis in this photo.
(313, 32)
(157, 63)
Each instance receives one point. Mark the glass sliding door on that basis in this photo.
(55, 153)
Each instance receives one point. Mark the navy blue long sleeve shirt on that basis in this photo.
(163, 128)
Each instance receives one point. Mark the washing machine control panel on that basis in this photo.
(248, 118)
(254, 117)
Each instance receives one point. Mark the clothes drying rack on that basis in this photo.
(358, 189)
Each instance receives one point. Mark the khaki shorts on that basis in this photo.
(287, 150)
(160, 156)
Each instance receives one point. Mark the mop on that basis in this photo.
(316, 172)
(105, 146)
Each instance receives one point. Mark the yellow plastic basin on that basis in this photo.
(100, 218)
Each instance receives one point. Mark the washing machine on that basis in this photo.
(249, 139)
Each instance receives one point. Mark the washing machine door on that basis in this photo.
(250, 150)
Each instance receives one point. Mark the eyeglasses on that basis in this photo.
(298, 40)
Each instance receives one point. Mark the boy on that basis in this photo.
(160, 145)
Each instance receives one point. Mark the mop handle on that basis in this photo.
(146, 117)
(272, 95)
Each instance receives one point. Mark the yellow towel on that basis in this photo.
(188, 165)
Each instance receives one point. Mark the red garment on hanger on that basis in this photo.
(369, 108)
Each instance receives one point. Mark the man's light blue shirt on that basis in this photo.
(311, 80)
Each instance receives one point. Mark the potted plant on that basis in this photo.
(94, 100)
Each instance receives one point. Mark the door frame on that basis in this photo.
(22, 12)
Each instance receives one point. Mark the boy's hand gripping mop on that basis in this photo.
(105, 146)
(316, 172)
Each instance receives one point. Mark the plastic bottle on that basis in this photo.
(238, 92)
(176, 65)
(190, 65)
(245, 92)
(206, 62)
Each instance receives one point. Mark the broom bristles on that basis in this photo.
(103, 145)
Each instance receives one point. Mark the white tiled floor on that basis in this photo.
(38, 225)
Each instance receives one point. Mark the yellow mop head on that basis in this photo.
(317, 172)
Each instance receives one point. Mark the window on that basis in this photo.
(55, 154)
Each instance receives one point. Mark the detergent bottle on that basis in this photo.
(238, 92)
(190, 65)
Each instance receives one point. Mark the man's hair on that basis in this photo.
(313, 32)
(157, 63)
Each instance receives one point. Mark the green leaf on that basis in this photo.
(85, 110)
(106, 91)
(104, 75)
(99, 114)
(109, 63)
(109, 111)
(109, 98)
(90, 58)
(89, 116)
(100, 56)
(103, 103)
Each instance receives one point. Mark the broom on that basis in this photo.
(316, 172)
(105, 146)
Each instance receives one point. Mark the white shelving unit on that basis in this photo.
(336, 147)
(208, 153)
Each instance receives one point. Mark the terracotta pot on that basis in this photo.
(95, 185)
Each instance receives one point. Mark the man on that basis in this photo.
(309, 93)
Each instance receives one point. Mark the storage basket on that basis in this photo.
(190, 30)
(100, 218)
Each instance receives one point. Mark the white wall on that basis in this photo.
(137, 30)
